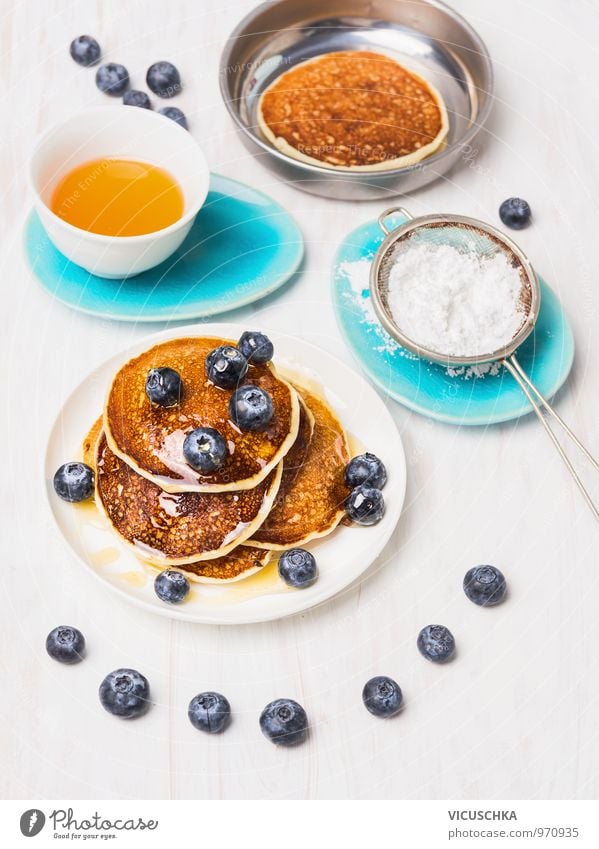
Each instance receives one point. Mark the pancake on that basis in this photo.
(177, 528)
(356, 110)
(240, 563)
(296, 456)
(90, 442)
(150, 438)
(311, 501)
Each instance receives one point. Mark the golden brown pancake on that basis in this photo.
(150, 438)
(90, 442)
(240, 563)
(356, 110)
(297, 455)
(177, 528)
(311, 501)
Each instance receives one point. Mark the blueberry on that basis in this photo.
(485, 585)
(250, 408)
(226, 367)
(515, 213)
(256, 347)
(436, 643)
(209, 712)
(382, 696)
(366, 468)
(365, 505)
(163, 79)
(297, 567)
(65, 644)
(137, 98)
(205, 449)
(125, 693)
(163, 386)
(171, 586)
(74, 482)
(112, 79)
(85, 50)
(284, 722)
(175, 115)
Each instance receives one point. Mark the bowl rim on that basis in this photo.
(103, 238)
(344, 173)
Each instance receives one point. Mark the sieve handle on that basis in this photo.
(393, 210)
(539, 403)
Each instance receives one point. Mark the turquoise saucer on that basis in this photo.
(432, 390)
(241, 247)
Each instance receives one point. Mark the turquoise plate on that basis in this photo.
(458, 396)
(241, 247)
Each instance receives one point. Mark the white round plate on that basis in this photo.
(342, 556)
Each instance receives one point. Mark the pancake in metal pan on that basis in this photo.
(149, 438)
(171, 529)
(357, 110)
(311, 501)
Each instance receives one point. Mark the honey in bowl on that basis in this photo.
(118, 197)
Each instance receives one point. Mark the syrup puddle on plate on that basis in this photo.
(356, 446)
(264, 582)
(119, 565)
(133, 578)
(88, 515)
(112, 560)
(104, 556)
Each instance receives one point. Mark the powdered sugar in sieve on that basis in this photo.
(433, 266)
(454, 290)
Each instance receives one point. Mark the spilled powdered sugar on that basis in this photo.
(475, 371)
(357, 274)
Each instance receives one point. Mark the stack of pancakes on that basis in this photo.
(278, 488)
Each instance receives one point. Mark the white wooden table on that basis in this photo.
(515, 716)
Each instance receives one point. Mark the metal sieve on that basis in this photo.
(469, 235)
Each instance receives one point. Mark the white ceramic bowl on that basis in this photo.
(126, 132)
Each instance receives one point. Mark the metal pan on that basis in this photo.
(424, 35)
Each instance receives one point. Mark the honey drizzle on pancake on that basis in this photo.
(150, 438)
(241, 563)
(172, 529)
